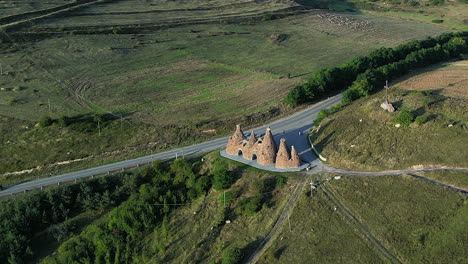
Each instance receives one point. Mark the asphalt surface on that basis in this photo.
(300, 121)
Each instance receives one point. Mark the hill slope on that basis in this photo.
(363, 136)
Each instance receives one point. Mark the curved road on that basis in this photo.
(300, 119)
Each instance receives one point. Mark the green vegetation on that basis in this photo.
(157, 222)
(417, 221)
(404, 118)
(362, 136)
(231, 255)
(453, 12)
(30, 214)
(363, 75)
(457, 179)
(156, 80)
(318, 234)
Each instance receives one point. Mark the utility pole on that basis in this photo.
(48, 102)
(99, 127)
(224, 194)
(386, 91)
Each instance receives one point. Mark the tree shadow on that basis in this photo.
(321, 145)
(277, 254)
(250, 248)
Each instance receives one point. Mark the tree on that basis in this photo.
(231, 255)
(222, 177)
(46, 121)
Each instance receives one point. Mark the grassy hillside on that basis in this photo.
(457, 179)
(362, 136)
(181, 223)
(320, 235)
(420, 222)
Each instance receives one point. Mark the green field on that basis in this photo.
(319, 235)
(448, 14)
(171, 85)
(457, 179)
(417, 221)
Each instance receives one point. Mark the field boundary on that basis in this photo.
(438, 183)
(359, 226)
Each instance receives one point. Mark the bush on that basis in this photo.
(405, 118)
(222, 178)
(46, 121)
(420, 120)
(249, 206)
(231, 255)
(280, 181)
(266, 17)
(321, 115)
(64, 121)
(438, 21)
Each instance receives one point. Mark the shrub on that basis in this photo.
(420, 120)
(280, 181)
(231, 255)
(64, 121)
(349, 96)
(414, 3)
(321, 115)
(222, 178)
(249, 206)
(45, 121)
(438, 21)
(266, 17)
(117, 30)
(405, 118)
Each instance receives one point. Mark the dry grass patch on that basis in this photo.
(451, 78)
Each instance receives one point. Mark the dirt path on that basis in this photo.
(330, 169)
(441, 184)
(282, 218)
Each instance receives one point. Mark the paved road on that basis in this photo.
(300, 120)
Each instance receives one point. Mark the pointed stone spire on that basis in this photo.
(232, 147)
(283, 152)
(267, 149)
(282, 157)
(239, 134)
(295, 159)
(252, 139)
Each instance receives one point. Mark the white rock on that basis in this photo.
(228, 221)
(397, 125)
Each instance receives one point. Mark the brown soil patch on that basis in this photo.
(453, 83)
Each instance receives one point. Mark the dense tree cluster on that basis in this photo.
(365, 74)
(25, 215)
(117, 238)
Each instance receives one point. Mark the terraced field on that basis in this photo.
(8, 7)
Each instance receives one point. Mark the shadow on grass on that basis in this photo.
(321, 145)
(250, 248)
